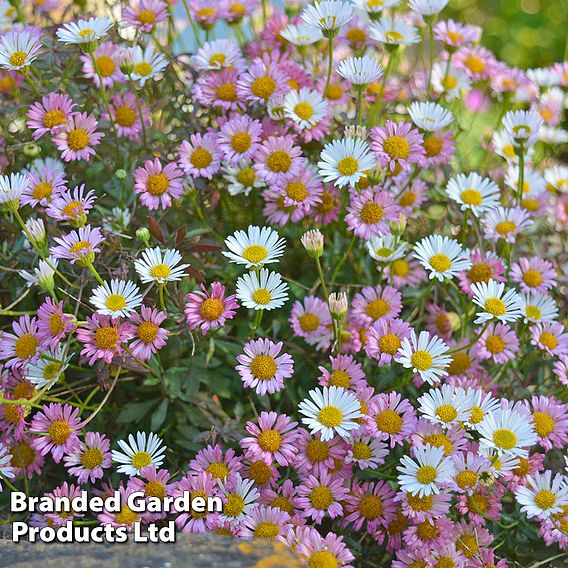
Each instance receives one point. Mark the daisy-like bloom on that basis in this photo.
(199, 156)
(495, 302)
(262, 82)
(221, 467)
(397, 145)
(153, 482)
(41, 276)
(199, 485)
(550, 420)
(84, 31)
(442, 256)
(78, 246)
(146, 15)
(107, 59)
(283, 497)
(384, 339)
(301, 34)
(18, 49)
(310, 319)
(72, 206)
(149, 337)
(219, 90)
(316, 455)
(373, 304)
(550, 337)
(423, 475)
(77, 137)
(12, 188)
(262, 368)
(360, 71)
(87, 460)
(238, 138)
(522, 126)
(6, 469)
(239, 499)
(55, 428)
(265, 522)
(425, 356)
(345, 373)
(48, 369)
(102, 337)
(125, 516)
(429, 116)
(273, 439)
(469, 470)
(241, 178)
(344, 162)
(146, 63)
(158, 267)
(557, 178)
(543, 495)
(369, 213)
(158, 185)
(49, 115)
(255, 247)
(427, 7)
(366, 452)
(329, 16)
(305, 107)
(447, 405)
(26, 461)
(321, 496)
(386, 248)
(484, 267)
(216, 55)
(43, 185)
(506, 223)
(533, 274)
(320, 551)
(278, 159)
(391, 418)
(473, 192)
(23, 344)
(124, 114)
(450, 83)
(262, 290)
(455, 34)
(394, 32)
(506, 432)
(498, 343)
(537, 307)
(140, 452)
(330, 410)
(209, 310)
(117, 299)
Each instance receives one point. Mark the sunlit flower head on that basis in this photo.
(84, 31)
(344, 162)
(158, 267)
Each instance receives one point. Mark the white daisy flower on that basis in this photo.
(36, 229)
(537, 307)
(146, 63)
(501, 464)
(239, 498)
(257, 247)
(41, 276)
(503, 145)
(329, 16)
(366, 451)
(11, 188)
(473, 192)
(495, 302)
(447, 405)
(330, 411)
(553, 135)
(214, 55)
(160, 268)
(263, 290)
(557, 177)
(542, 495)
(84, 31)
(522, 126)
(505, 431)
(430, 116)
(441, 256)
(427, 7)
(424, 355)
(5, 458)
(360, 71)
(241, 178)
(305, 107)
(450, 82)
(45, 371)
(344, 162)
(138, 453)
(544, 76)
(301, 34)
(480, 403)
(394, 31)
(425, 474)
(18, 49)
(118, 299)
(533, 181)
(386, 248)
(374, 7)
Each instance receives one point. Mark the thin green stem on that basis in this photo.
(95, 273)
(360, 106)
(322, 279)
(342, 260)
(329, 64)
(8, 483)
(472, 342)
(31, 82)
(139, 107)
(192, 24)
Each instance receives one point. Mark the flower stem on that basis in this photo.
(95, 273)
(342, 260)
(322, 279)
(431, 55)
(521, 185)
(329, 64)
(256, 323)
(139, 107)
(360, 105)
(192, 24)
(31, 82)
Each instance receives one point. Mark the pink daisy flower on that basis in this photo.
(56, 428)
(262, 82)
(430, 534)
(321, 496)
(505, 223)
(278, 159)
(550, 337)
(300, 192)
(261, 473)
(59, 519)
(239, 137)
(533, 274)
(78, 246)
(561, 369)
(329, 208)
(311, 318)
(480, 505)
(391, 418)
(455, 34)
(13, 419)
(439, 147)
(157, 185)
(330, 550)
(72, 206)
(469, 539)
(411, 198)
(477, 62)
(273, 439)
(498, 343)
(345, 372)
(484, 267)
(200, 156)
(397, 145)
(222, 467)
(420, 509)
(262, 368)
(50, 115)
(384, 338)
(283, 497)
(152, 482)
(209, 311)
(316, 456)
(107, 56)
(26, 461)
(275, 212)
(76, 139)
(550, 420)
(219, 90)
(369, 212)
(44, 184)
(265, 522)
(87, 460)
(405, 272)
(438, 321)
(125, 516)
(148, 336)
(468, 471)
(102, 337)
(373, 304)
(452, 439)
(52, 323)
(23, 344)
(125, 115)
(206, 13)
(146, 15)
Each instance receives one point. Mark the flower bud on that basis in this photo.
(36, 230)
(398, 227)
(31, 150)
(338, 304)
(313, 242)
(120, 174)
(143, 235)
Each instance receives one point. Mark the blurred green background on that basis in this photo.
(524, 33)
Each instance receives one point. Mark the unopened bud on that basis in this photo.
(338, 304)
(398, 227)
(120, 174)
(36, 231)
(31, 150)
(313, 242)
(143, 235)
(455, 321)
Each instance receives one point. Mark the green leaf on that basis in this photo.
(159, 415)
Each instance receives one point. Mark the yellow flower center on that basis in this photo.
(548, 340)
(157, 184)
(304, 110)
(495, 307)
(440, 262)
(371, 507)
(73, 209)
(91, 458)
(234, 506)
(106, 337)
(371, 213)
(348, 166)
(427, 530)
(126, 516)
(53, 118)
(160, 271)
(261, 296)
(86, 32)
(59, 432)
(263, 87)
(545, 499)
(146, 17)
(400, 268)
(356, 35)
(480, 272)
(432, 146)
(106, 65)
(26, 346)
(334, 92)
(504, 439)
(211, 309)
(426, 474)
(141, 459)
(143, 68)
(317, 451)
(266, 530)
(449, 82)
(279, 161)
(532, 278)
(397, 147)
(125, 116)
(308, 322)
(543, 423)
(246, 177)
(323, 559)
(147, 332)
(421, 360)
(217, 470)
(393, 36)
(241, 142)
(389, 344)
(217, 59)
(24, 389)
(446, 413)
(296, 191)
(361, 451)
(283, 504)
(201, 158)
(495, 344)
(321, 497)
(42, 190)
(439, 441)
(51, 371)
(530, 204)
(77, 139)
(155, 489)
(461, 362)
(263, 367)
(505, 227)
(471, 197)
(466, 479)
(376, 309)
(389, 421)
(18, 58)
(467, 543)
(260, 472)
(419, 504)
(408, 199)
(270, 440)
(474, 64)
(533, 312)
(13, 413)
(115, 302)
(80, 246)
(330, 416)
(227, 92)
(339, 379)
(23, 455)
